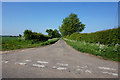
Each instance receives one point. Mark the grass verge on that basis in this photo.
(12, 43)
(106, 52)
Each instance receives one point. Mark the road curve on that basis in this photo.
(58, 60)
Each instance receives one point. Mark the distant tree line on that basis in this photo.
(10, 36)
(29, 35)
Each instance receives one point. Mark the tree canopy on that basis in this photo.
(53, 33)
(70, 25)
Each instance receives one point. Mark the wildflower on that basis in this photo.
(115, 49)
(101, 46)
(117, 45)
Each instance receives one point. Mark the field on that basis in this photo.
(97, 49)
(11, 43)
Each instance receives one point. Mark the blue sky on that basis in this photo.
(39, 16)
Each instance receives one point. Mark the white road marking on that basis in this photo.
(16, 62)
(38, 65)
(106, 68)
(28, 60)
(114, 74)
(80, 70)
(88, 71)
(82, 66)
(44, 62)
(62, 64)
(20, 63)
(54, 67)
(61, 68)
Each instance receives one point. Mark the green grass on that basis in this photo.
(105, 51)
(12, 43)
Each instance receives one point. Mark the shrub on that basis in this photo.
(111, 36)
(29, 35)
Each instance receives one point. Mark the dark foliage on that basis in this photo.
(29, 35)
(53, 33)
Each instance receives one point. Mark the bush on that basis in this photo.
(29, 35)
(111, 36)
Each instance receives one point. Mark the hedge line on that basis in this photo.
(111, 36)
(29, 35)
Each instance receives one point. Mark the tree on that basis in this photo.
(50, 32)
(70, 25)
(56, 34)
(53, 33)
(20, 35)
(27, 34)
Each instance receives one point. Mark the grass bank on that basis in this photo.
(97, 49)
(12, 43)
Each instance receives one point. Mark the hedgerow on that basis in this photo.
(111, 36)
(29, 35)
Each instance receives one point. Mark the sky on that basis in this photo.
(39, 16)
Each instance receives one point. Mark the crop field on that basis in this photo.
(11, 43)
(97, 49)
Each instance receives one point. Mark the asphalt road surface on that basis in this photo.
(58, 60)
